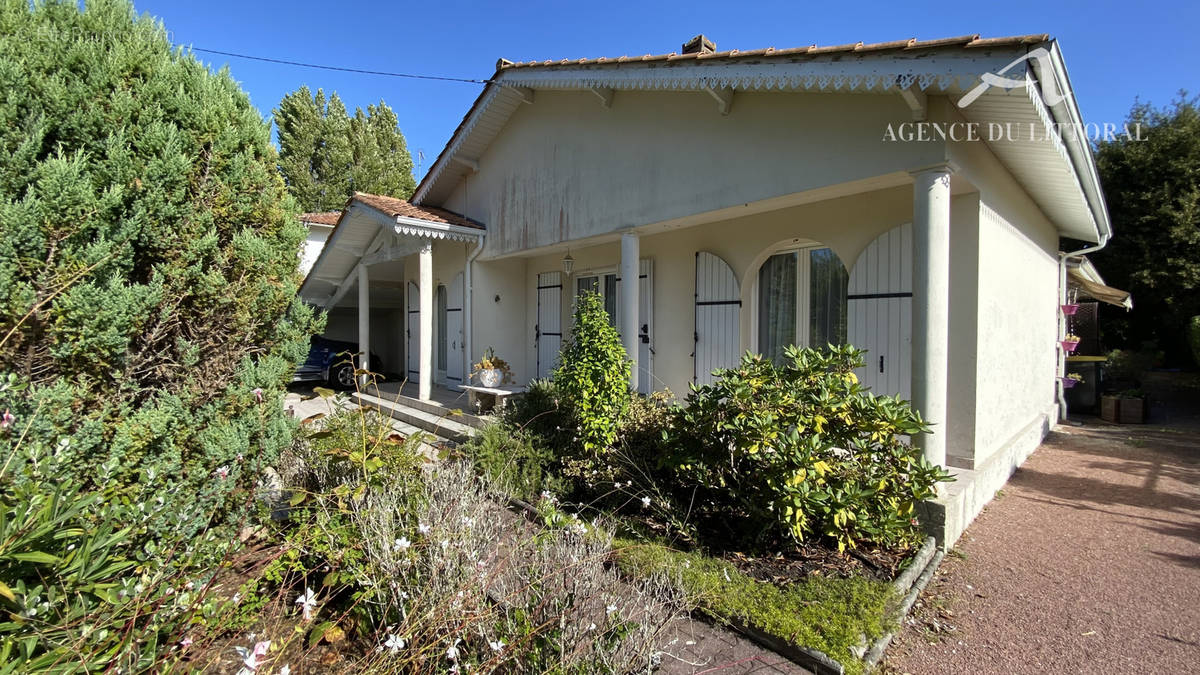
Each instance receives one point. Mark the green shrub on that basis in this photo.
(593, 382)
(148, 325)
(412, 563)
(1126, 367)
(802, 448)
(513, 461)
(148, 266)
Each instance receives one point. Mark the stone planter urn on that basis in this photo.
(491, 377)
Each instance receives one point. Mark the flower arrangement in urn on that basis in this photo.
(492, 370)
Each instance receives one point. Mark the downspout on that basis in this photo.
(1062, 325)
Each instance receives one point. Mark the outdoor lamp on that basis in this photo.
(568, 263)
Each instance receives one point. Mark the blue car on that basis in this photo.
(329, 361)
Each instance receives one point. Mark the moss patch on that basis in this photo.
(822, 613)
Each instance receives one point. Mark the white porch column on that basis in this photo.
(931, 304)
(630, 318)
(426, 289)
(364, 322)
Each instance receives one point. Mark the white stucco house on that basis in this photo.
(760, 198)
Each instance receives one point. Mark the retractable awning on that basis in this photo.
(1098, 291)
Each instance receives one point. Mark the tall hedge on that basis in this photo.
(148, 256)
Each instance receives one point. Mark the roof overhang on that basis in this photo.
(1060, 175)
(366, 235)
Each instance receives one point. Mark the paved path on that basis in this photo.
(1087, 562)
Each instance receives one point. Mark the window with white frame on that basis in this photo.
(801, 300)
(606, 285)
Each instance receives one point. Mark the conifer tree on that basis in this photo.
(325, 154)
(148, 257)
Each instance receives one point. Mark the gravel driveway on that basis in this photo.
(1087, 562)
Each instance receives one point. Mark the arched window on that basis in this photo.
(801, 300)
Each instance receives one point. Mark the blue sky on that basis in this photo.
(1115, 52)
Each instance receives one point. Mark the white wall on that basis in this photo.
(566, 168)
(847, 225)
(1017, 304)
(310, 250)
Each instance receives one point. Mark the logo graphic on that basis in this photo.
(1049, 88)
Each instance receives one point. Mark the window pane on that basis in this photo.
(777, 305)
(610, 298)
(584, 284)
(828, 281)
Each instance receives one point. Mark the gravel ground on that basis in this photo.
(1088, 561)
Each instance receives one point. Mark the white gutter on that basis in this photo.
(469, 294)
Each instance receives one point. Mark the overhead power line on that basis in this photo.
(340, 69)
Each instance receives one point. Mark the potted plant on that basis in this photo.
(1069, 342)
(1070, 380)
(492, 370)
(1110, 408)
(1132, 407)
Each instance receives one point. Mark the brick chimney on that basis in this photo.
(699, 45)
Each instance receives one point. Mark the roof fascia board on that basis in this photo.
(1066, 112)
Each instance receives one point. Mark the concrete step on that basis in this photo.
(438, 422)
(433, 407)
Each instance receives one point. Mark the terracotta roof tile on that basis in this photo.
(325, 218)
(398, 207)
(966, 41)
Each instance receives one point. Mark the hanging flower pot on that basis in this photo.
(1069, 343)
(1070, 380)
(1069, 310)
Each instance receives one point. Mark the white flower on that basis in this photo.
(467, 521)
(452, 652)
(645, 501)
(394, 643)
(687, 564)
(307, 602)
(252, 659)
(611, 608)
(222, 472)
(285, 670)
(422, 528)
(401, 544)
(497, 645)
(445, 543)
(237, 597)
(591, 627)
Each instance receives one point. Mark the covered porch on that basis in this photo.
(394, 280)
(838, 265)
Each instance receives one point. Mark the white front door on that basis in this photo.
(454, 331)
(718, 318)
(414, 333)
(441, 329)
(880, 312)
(548, 330)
